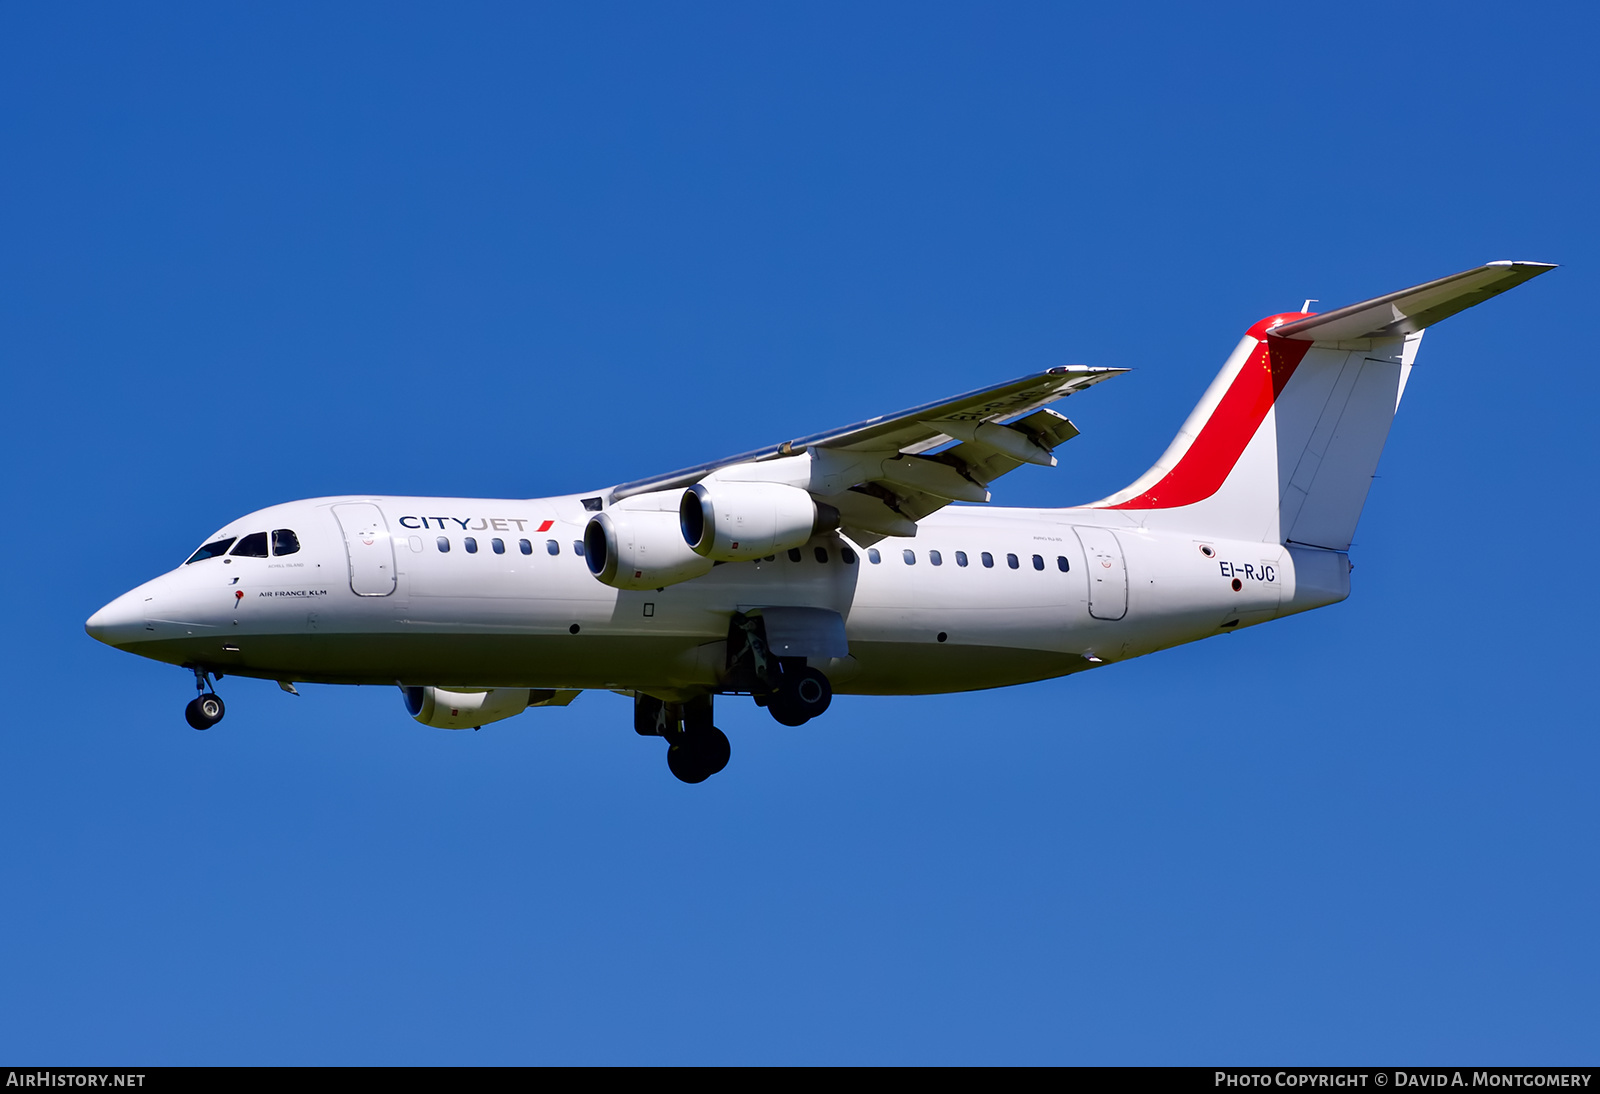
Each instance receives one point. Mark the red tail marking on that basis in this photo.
(1243, 407)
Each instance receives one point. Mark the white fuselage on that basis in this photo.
(1063, 590)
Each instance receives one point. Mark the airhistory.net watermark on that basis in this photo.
(42, 1077)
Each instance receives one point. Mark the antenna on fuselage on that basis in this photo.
(1307, 305)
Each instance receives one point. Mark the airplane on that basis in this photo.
(835, 562)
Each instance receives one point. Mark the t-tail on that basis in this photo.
(1284, 444)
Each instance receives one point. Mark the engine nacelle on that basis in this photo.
(443, 708)
(629, 549)
(740, 521)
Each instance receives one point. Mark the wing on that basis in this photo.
(886, 473)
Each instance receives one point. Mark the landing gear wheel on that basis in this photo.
(204, 711)
(686, 763)
(802, 695)
(714, 748)
(695, 757)
(784, 713)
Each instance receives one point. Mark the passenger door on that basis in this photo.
(371, 550)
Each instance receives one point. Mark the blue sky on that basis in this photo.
(253, 255)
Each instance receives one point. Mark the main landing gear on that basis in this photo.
(792, 691)
(798, 694)
(696, 749)
(206, 709)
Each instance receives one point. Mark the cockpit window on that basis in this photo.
(284, 542)
(252, 546)
(211, 550)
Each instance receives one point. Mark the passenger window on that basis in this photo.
(794, 554)
(848, 555)
(873, 556)
(211, 550)
(988, 561)
(821, 553)
(1061, 563)
(252, 546)
(499, 546)
(936, 558)
(444, 544)
(552, 546)
(1038, 562)
(527, 548)
(910, 556)
(961, 558)
(1011, 560)
(284, 542)
(471, 545)
(577, 547)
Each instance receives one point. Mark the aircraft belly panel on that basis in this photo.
(917, 668)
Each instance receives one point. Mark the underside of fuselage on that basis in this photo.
(584, 662)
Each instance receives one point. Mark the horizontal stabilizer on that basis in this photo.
(1410, 310)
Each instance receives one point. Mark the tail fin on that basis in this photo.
(1284, 443)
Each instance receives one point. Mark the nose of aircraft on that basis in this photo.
(123, 620)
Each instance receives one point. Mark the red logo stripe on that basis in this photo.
(1243, 407)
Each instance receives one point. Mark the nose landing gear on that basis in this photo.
(206, 709)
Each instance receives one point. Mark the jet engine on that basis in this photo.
(629, 549)
(740, 521)
(444, 708)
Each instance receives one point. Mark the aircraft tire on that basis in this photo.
(802, 695)
(695, 757)
(784, 712)
(204, 711)
(687, 763)
(714, 748)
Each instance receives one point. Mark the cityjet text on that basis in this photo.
(484, 524)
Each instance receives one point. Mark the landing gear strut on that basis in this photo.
(206, 709)
(792, 691)
(696, 749)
